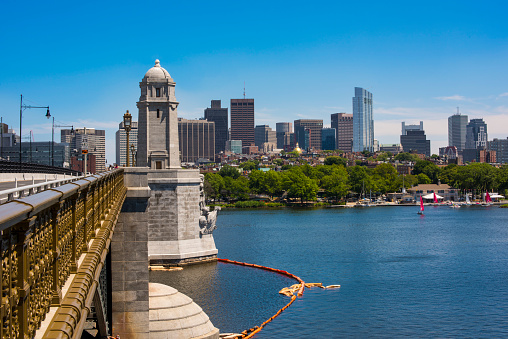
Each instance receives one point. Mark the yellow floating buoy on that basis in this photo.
(333, 286)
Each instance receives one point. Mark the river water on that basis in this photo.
(444, 274)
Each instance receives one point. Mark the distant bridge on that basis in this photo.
(54, 247)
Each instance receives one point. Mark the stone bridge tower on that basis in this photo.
(158, 123)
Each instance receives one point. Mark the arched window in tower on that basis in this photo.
(158, 92)
(158, 113)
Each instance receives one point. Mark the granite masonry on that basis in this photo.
(163, 220)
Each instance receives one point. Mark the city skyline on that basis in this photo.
(419, 64)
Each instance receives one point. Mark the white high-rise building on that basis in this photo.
(363, 122)
(121, 144)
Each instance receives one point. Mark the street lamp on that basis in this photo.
(53, 140)
(127, 124)
(21, 109)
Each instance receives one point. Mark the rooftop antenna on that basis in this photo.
(244, 89)
(458, 110)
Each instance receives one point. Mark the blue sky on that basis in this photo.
(298, 60)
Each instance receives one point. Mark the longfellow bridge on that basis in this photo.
(55, 262)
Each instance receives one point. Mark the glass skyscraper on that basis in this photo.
(363, 123)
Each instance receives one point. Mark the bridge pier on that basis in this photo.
(129, 259)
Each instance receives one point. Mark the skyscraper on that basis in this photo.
(90, 139)
(265, 138)
(363, 123)
(457, 131)
(197, 139)
(476, 134)
(121, 144)
(343, 124)
(219, 115)
(308, 133)
(328, 139)
(242, 121)
(284, 131)
(413, 139)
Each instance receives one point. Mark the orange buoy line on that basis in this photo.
(250, 332)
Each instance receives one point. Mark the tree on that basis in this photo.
(359, 180)
(406, 157)
(428, 168)
(236, 188)
(423, 179)
(333, 160)
(249, 165)
(228, 171)
(298, 185)
(386, 178)
(336, 184)
(213, 185)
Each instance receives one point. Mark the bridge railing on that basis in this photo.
(22, 191)
(47, 237)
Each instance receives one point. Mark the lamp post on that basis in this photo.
(21, 109)
(127, 121)
(53, 140)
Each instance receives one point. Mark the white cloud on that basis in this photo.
(453, 97)
(505, 94)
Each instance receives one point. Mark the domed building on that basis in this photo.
(158, 146)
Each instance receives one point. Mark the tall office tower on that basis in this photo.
(328, 141)
(308, 133)
(343, 124)
(501, 148)
(121, 144)
(284, 131)
(413, 139)
(457, 124)
(363, 123)
(197, 139)
(157, 121)
(219, 115)
(476, 134)
(406, 128)
(242, 121)
(90, 139)
(265, 138)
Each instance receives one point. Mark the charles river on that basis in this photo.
(444, 274)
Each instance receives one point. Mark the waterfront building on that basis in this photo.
(363, 123)
(457, 124)
(284, 132)
(328, 141)
(121, 144)
(500, 146)
(308, 133)
(265, 138)
(87, 139)
(413, 139)
(444, 190)
(343, 124)
(197, 140)
(476, 134)
(219, 115)
(234, 146)
(242, 121)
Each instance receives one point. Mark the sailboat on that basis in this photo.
(468, 202)
(488, 200)
(421, 206)
(435, 198)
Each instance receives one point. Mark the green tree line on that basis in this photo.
(336, 180)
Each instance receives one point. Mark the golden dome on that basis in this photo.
(297, 149)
